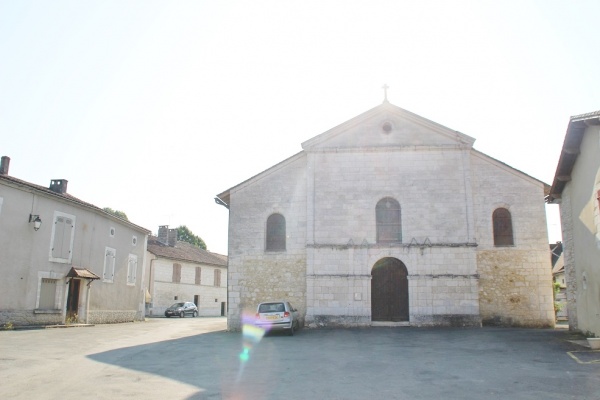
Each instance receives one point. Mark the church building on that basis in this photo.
(391, 219)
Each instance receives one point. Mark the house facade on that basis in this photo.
(63, 259)
(576, 188)
(390, 218)
(179, 271)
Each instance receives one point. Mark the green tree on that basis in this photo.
(186, 235)
(116, 213)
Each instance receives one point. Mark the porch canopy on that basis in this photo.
(82, 273)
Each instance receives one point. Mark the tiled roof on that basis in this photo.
(570, 151)
(82, 273)
(64, 197)
(185, 252)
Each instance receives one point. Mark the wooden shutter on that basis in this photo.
(198, 276)
(109, 264)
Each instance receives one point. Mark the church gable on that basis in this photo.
(387, 126)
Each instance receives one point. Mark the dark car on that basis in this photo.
(277, 315)
(181, 309)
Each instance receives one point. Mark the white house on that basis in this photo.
(179, 271)
(576, 188)
(63, 259)
(390, 218)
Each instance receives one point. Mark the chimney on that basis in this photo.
(59, 185)
(172, 237)
(163, 234)
(4, 165)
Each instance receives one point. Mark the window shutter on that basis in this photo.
(59, 237)
(109, 264)
(198, 275)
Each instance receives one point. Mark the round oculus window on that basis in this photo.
(386, 127)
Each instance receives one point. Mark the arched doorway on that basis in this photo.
(389, 291)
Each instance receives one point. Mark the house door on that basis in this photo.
(389, 291)
(223, 308)
(73, 298)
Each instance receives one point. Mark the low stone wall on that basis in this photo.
(30, 317)
(113, 316)
(450, 320)
(337, 321)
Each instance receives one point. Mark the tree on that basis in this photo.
(186, 235)
(116, 213)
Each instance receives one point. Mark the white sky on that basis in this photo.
(154, 107)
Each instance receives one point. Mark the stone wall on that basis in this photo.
(256, 275)
(515, 288)
(29, 318)
(37, 318)
(114, 316)
(272, 277)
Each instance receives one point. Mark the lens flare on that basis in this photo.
(251, 336)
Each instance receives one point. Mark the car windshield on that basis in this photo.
(271, 307)
(177, 305)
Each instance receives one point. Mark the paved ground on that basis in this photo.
(193, 358)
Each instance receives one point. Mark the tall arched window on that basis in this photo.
(503, 231)
(275, 233)
(389, 221)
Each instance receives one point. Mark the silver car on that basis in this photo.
(277, 315)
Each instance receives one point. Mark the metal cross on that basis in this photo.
(385, 87)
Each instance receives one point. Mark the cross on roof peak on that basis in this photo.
(385, 87)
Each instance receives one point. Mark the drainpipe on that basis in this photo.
(87, 302)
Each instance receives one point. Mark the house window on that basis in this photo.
(63, 233)
(176, 273)
(134, 240)
(389, 222)
(110, 257)
(198, 276)
(48, 294)
(275, 233)
(131, 269)
(217, 277)
(503, 231)
(111, 232)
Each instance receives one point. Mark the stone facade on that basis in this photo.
(446, 191)
(201, 276)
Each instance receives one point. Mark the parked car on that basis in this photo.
(277, 315)
(180, 309)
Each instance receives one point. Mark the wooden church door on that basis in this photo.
(389, 291)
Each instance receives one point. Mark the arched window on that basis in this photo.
(503, 232)
(275, 233)
(389, 222)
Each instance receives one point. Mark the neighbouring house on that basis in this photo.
(66, 260)
(558, 276)
(576, 188)
(179, 271)
(391, 219)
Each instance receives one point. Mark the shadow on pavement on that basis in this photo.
(390, 363)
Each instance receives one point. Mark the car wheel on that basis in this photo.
(291, 331)
(168, 316)
(195, 314)
(181, 314)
